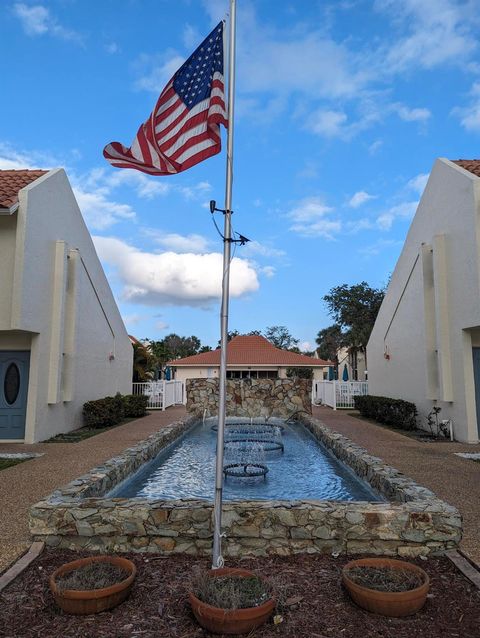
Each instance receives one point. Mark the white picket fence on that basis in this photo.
(161, 394)
(338, 394)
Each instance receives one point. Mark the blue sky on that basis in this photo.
(341, 109)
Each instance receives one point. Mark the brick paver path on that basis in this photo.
(23, 485)
(434, 465)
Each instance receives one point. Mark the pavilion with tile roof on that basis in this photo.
(248, 356)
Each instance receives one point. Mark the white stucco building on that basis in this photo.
(355, 362)
(62, 339)
(425, 346)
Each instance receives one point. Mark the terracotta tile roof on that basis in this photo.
(13, 181)
(473, 166)
(250, 351)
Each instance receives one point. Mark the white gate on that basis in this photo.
(338, 394)
(161, 394)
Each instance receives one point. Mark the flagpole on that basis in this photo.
(217, 559)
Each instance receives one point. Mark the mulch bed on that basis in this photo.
(5, 463)
(423, 436)
(314, 604)
(85, 433)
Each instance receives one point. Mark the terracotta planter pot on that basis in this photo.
(230, 621)
(387, 603)
(92, 601)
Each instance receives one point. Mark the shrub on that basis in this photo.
(111, 410)
(103, 412)
(400, 414)
(135, 405)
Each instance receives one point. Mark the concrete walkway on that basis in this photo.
(25, 484)
(434, 465)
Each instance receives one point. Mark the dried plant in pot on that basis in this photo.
(386, 586)
(230, 600)
(91, 585)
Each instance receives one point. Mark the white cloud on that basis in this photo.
(360, 198)
(256, 248)
(336, 124)
(196, 191)
(357, 225)
(310, 219)
(191, 37)
(11, 159)
(145, 187)
(131, 320)
(437, 33)
(309, 209)
(98, 211)
(161, 325)
(268, 271)
(306, 346)
(418, 182)
(215, 9)
(36, 20)
(182, 243)
(156, 70)
(296, 62)
(328, 123)
(380, 246)
(309, 170)
(469, 116)
(173, 279)
(412, 115)
(375, 147)
(406, 210)
(112, 48)
(321, 228)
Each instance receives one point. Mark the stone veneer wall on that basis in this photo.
(414, 523)
(251, 397)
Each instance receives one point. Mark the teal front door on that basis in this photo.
(14, 368)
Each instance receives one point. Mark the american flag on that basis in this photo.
(184, 127)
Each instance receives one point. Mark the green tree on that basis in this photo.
(329, 341)
(204, 349)
(180, 347)
(160, 351)
(281, 338)
(144, 363)
(175, 347)
(354, 309)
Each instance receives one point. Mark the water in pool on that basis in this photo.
(299, 467)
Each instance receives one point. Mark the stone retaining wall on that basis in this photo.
(251, 397)
(414, 523)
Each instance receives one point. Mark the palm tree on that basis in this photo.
(143, 363)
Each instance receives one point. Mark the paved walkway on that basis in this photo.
(25, 484)
(452, 478)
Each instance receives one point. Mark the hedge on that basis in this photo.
(109, 411)
(135, 405)
(395, 412)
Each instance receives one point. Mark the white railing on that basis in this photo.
(338, 394)
(161, 394)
